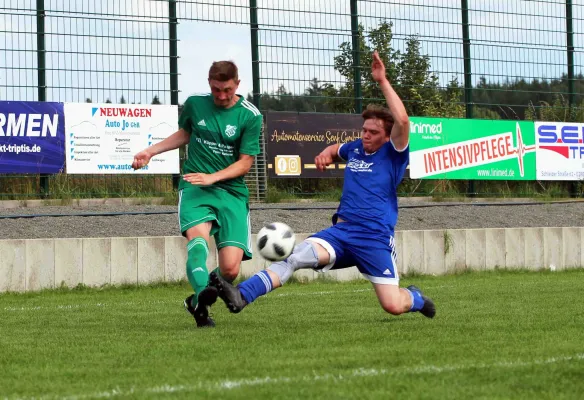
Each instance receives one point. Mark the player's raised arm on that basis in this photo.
(400, 134)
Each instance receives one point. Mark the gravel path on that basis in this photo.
(414, 215)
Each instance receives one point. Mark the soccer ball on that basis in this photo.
(276, 241)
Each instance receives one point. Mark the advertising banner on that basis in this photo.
(443, 148)
(295, 139)
(32, 137)
(103, 138)
(560, 151)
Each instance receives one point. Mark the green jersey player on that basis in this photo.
(223, 131)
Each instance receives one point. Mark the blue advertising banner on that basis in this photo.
(32, 137)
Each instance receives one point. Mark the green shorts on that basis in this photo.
(228, 212)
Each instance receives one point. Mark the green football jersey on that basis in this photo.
(219, 136)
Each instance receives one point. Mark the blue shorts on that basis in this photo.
(351, 245)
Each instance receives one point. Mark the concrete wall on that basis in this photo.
(34, 264)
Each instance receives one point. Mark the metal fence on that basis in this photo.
(470, 58)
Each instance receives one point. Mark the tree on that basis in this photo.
(514, 99)
(417, 85)
(314, 99)
(409, 72)
(448, 103)
(122, 100)
(315, 96)
(156, 100)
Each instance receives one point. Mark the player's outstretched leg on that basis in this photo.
(425, 306)
(200, 311)
(304, 255)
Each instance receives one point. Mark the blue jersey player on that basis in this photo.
(362, 233)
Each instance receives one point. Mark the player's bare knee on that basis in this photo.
(229, 269)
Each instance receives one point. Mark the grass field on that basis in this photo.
(498, 335)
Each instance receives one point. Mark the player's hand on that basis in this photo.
(141, 159)
(323, 160)
(200, 179)
(377, 68)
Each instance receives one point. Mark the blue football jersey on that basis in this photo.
(370, 189)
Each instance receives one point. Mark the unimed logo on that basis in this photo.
(419, 127)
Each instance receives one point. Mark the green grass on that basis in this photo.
(496, 335)
(68, 187)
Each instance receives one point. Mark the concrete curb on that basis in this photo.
(35, 264)
(5, 204)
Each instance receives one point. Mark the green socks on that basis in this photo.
(197, 251)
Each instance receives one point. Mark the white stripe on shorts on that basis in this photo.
(179, 201)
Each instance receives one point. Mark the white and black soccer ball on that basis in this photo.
(276, 241)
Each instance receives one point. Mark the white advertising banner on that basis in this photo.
(560, 151)
(103, 138)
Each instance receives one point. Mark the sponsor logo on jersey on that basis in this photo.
(359, 166)
(230, 130)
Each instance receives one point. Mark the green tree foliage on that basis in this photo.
(412, 76)
(314, 99)
(410, 73)
(518, 99)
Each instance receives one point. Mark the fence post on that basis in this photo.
(173, 59)
(356, 57)
(570, 44)
(262, 181)
(467, 75)
(42, 78)
(571, 100)
(255, 53)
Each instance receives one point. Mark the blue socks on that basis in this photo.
(256, 286)
(261, 283)
(417, 300)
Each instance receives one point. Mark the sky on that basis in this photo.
(110, 48)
